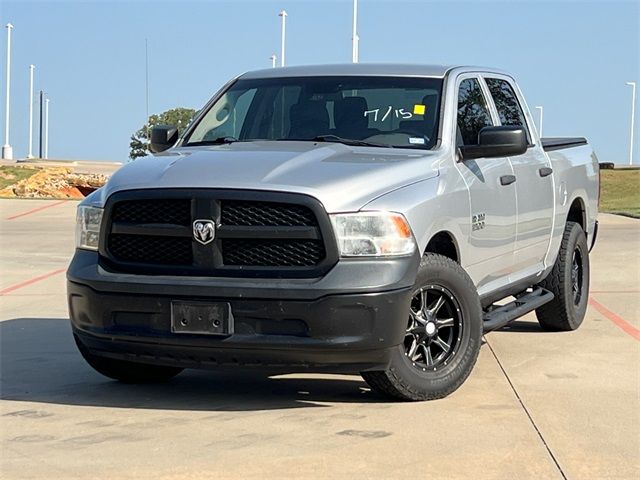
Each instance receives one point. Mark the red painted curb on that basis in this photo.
(34, 210)
(619, 321)
(12, 288)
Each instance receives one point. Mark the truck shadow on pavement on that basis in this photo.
(39, 362)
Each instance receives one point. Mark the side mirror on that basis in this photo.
(504, 141)
(163, 137)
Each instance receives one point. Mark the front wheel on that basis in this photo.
(443, 335)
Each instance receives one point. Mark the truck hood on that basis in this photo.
(342, 177)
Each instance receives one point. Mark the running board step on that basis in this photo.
(501, 315)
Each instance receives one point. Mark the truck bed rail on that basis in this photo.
(558, 143)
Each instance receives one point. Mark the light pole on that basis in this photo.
(633, 115)
(273, 60)
(46, 128)
(7, 151)
(283, 14)
(146, 84)
(31, 69)
(41, 124)
(354, 36)
(540, 124)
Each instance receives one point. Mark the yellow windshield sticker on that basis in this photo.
(419, 109)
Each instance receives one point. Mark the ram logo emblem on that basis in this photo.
(204, 231)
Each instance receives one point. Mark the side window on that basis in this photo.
(473, 114)
(507, 103)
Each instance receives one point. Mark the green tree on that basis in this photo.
(179, 117)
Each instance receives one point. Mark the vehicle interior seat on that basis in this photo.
(349, 117)
(424, 125)
(308, 119)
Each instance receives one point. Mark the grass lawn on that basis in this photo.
(620, 192)
(10, 175)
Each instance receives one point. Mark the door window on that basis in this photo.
(507, 104)
(473, 113)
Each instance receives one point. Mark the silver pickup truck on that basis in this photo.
(354, 218)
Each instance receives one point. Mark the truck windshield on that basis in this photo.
(384, 111)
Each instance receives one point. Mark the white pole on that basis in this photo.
(46, 128)
(7, 151)
(146, 86)
(146, 75)
(273, 60)
(354, 35)
(283, 14)
(633, 115)
(31, 69)
(540, 124)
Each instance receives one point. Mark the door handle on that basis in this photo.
(545, 171)
(507, 179)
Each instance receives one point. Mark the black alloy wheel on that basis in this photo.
(576, 276)
(434, 329)
(569, 283)
(440, 339)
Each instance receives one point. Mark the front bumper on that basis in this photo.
(292, 324)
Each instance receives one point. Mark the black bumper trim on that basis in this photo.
(207, 358)
(341, 332)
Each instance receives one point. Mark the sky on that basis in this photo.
(571, 57)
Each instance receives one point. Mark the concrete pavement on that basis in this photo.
(538, 405)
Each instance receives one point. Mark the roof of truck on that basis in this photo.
(382, 69)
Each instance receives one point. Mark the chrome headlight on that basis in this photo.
(372, 234)
(88, 220)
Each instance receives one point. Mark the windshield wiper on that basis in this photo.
(215, 141)
(337, 139)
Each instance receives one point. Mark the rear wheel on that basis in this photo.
(569, 283)
(442, 339)
(127, 372)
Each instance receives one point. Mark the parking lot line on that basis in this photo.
(619, 321)
(17, 286)
(527, 412)
(37, 209)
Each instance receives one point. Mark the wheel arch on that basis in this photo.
(444, 243)
(578, 213)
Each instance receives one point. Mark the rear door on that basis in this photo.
(534, 180)
(493, 205)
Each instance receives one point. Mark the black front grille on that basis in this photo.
(151, 232)
(167, 211)
(272, 253)
(266, 214)
(148, 248)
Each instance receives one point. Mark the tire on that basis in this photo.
(409, 375)
(127, 372)
(566, 311)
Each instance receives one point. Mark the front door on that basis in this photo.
(493, 205)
